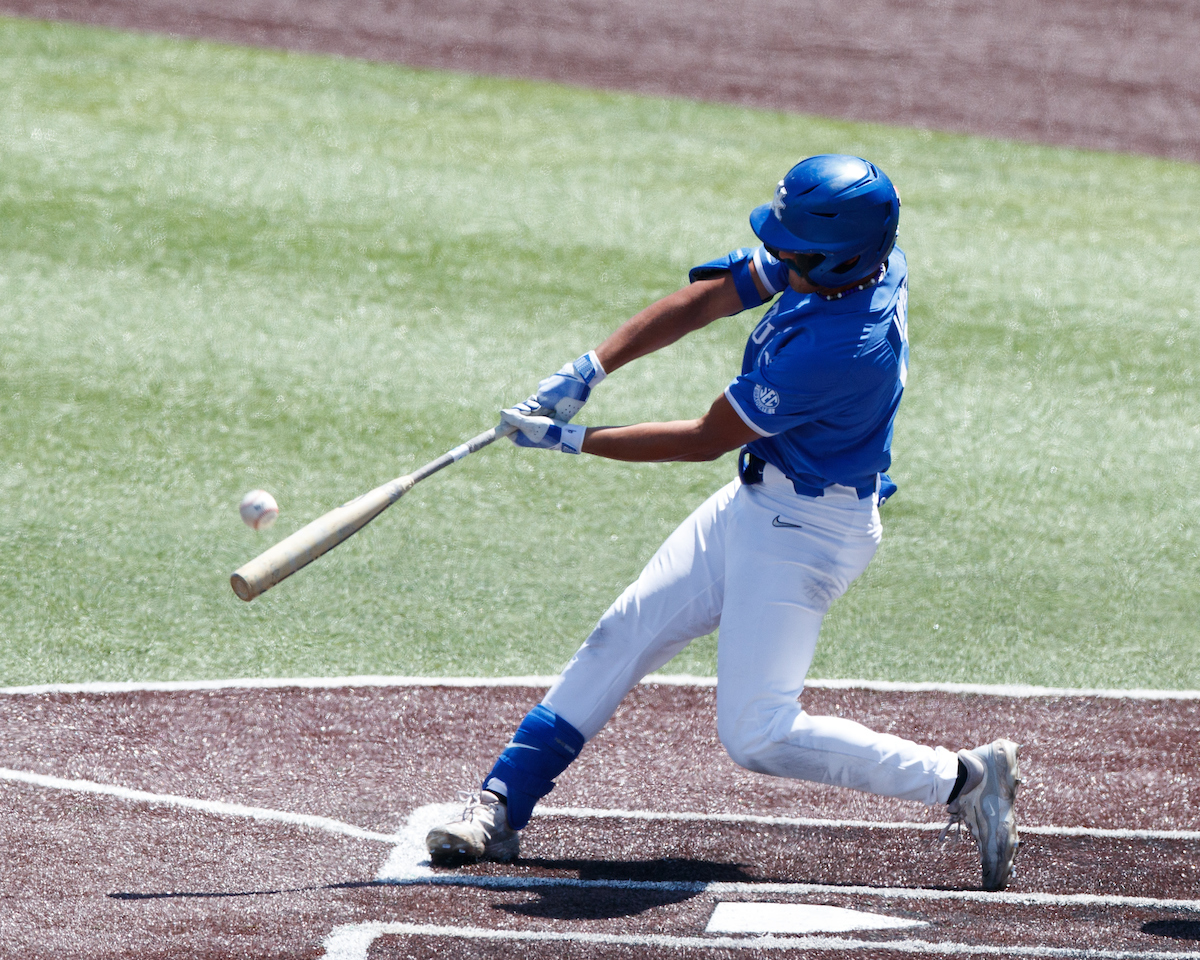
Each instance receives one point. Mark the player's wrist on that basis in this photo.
(543, 433)
(589, 369)
(571, 440)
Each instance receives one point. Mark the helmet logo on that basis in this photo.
(777, 204)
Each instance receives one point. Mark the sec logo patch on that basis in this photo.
(765, 399)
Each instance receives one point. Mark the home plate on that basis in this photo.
(740, 917)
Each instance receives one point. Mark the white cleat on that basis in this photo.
(483, 833)
(985, 806)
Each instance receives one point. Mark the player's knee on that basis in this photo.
(742, 738)
(751, 735)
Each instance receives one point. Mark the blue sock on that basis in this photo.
(542, 748)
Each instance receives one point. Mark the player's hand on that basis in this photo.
(563, 394)
(543, 432)
(887, 486)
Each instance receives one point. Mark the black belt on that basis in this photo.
(750, 469)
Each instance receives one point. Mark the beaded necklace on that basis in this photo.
(879, 275)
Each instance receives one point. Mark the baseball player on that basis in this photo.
(766, 555)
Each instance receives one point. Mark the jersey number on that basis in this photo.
(897, 335)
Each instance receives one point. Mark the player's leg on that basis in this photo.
(677, 597)
(780, 581)
(766, 729)
(769, 631)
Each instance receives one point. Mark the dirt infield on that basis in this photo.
(1105, 74)
(301, 851)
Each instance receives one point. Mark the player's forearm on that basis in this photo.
(720, 430)
(653, 442)
(668, 319)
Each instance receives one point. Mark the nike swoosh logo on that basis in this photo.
(783, 523)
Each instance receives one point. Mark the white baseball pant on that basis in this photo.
(763, 564)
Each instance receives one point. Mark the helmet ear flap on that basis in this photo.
(806, 263)
(801, 263)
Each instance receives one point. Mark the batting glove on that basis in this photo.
(562, 395)
(887, 487)
(543, 433)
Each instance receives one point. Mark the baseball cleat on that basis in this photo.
(985, 806)
(483, 833)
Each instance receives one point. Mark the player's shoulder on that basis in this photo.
(744, 265)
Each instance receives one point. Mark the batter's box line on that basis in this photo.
(409, 865)
(409, 861)
(449, 811)
(739, 818)
(725, 888)
(353, 941)
(216, 808)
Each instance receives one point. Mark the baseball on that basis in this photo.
(258, 509)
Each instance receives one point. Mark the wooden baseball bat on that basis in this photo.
(323, 534)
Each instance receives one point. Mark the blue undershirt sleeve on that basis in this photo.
(737, 264)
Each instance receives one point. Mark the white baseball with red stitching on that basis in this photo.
(258, 509)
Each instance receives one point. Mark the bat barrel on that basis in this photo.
(306, 544)
(325, 533)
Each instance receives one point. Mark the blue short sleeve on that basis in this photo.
(788, 393)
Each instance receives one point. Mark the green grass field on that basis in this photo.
(223, 268)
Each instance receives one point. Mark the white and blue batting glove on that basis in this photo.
(542, 432)
(563, 394)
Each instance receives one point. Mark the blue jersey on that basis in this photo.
(821, 378)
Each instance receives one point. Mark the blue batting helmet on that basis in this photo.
(842, 212)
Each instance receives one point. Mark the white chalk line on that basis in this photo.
(214, 807)
(442, 812)
(352, 942)
(272, 683)
(725, 888)
(1018, 691)
(743, 818)
(409, 864)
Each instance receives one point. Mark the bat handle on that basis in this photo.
(462, 450)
